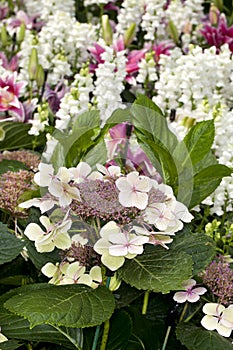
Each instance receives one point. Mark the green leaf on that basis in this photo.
(118, 335)
(199, 246)
(10, 246)
(68, 306)
(135, 343)
(97, 154)
(17, 327)
(16, 137)
(148, 103)
(199, 140)
(11, 165)
(157, 269)
(197, 338)
(73, 145)
(10, 345)
(40, 259)
(206, 181)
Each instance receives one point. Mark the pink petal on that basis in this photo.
(180, 297)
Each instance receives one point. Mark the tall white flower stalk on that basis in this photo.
(109, 82)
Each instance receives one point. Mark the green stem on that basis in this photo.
(106, 328)
(105, 335)
(145, 302)
(183, 312)
(166, 337)
(96, 337)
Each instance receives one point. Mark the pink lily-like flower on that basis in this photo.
(11, 65)
(220, 35)
(190, 294)
(9, 97)
(162, 48)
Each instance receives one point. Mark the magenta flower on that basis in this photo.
(220, 35)
(9, 97)
(190, 294)
(11, 65)
(163, 48)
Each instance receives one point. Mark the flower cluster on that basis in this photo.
(135, 209)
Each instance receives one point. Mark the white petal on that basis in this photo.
(119, 238)
(189, 283)
(85, 279)
(123, 185)
(193, 297)
(62, 241)
(180, 297)
(33, 231)
(44, 176)
(118, 250)
(222, 330)
(2, 338)
(209, 322)
(135, 249)
(101, 246)
(96, 274)
(110, 228)
(199, 290)
(56, 188)
(182, 213)
(45, 222)
(49, 269)
(112, 262)
(213, 309)
(64, 174)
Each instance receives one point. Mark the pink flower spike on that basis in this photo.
(191, 295)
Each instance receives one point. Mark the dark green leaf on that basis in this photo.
(10, 345)
(11, 165)
(16, 137)
(16, 327)
(148, 103)
(10, 246)
(157, 269)
(197, 338)
(206, 181)
(68, 306)
(118, 335)
(200, 247)
(40, 259)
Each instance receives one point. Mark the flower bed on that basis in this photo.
(116, 180)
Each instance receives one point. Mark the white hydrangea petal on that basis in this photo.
(49, 269)
(222, 330)
(33, 231)
(213, 309)
(119, 238)
(135, 249)
(112, 262)
(44, 176)
(45, 222)
(85, 279)
(110, 228)
(199, 290)
(193, 297)
(64, 174)
(101, 246)
(96, 274)
(209, 322)
(180, 297)
(118, 250)
(182, 213)
(3, 338)
(62, 241)
(123, 185)
(189, 283)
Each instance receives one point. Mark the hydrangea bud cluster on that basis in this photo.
(218, 277)
(12, 186)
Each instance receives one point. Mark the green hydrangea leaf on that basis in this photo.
(199, 246)
(197, 338)
(157, 269)
(69, 306)
(10, 246)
